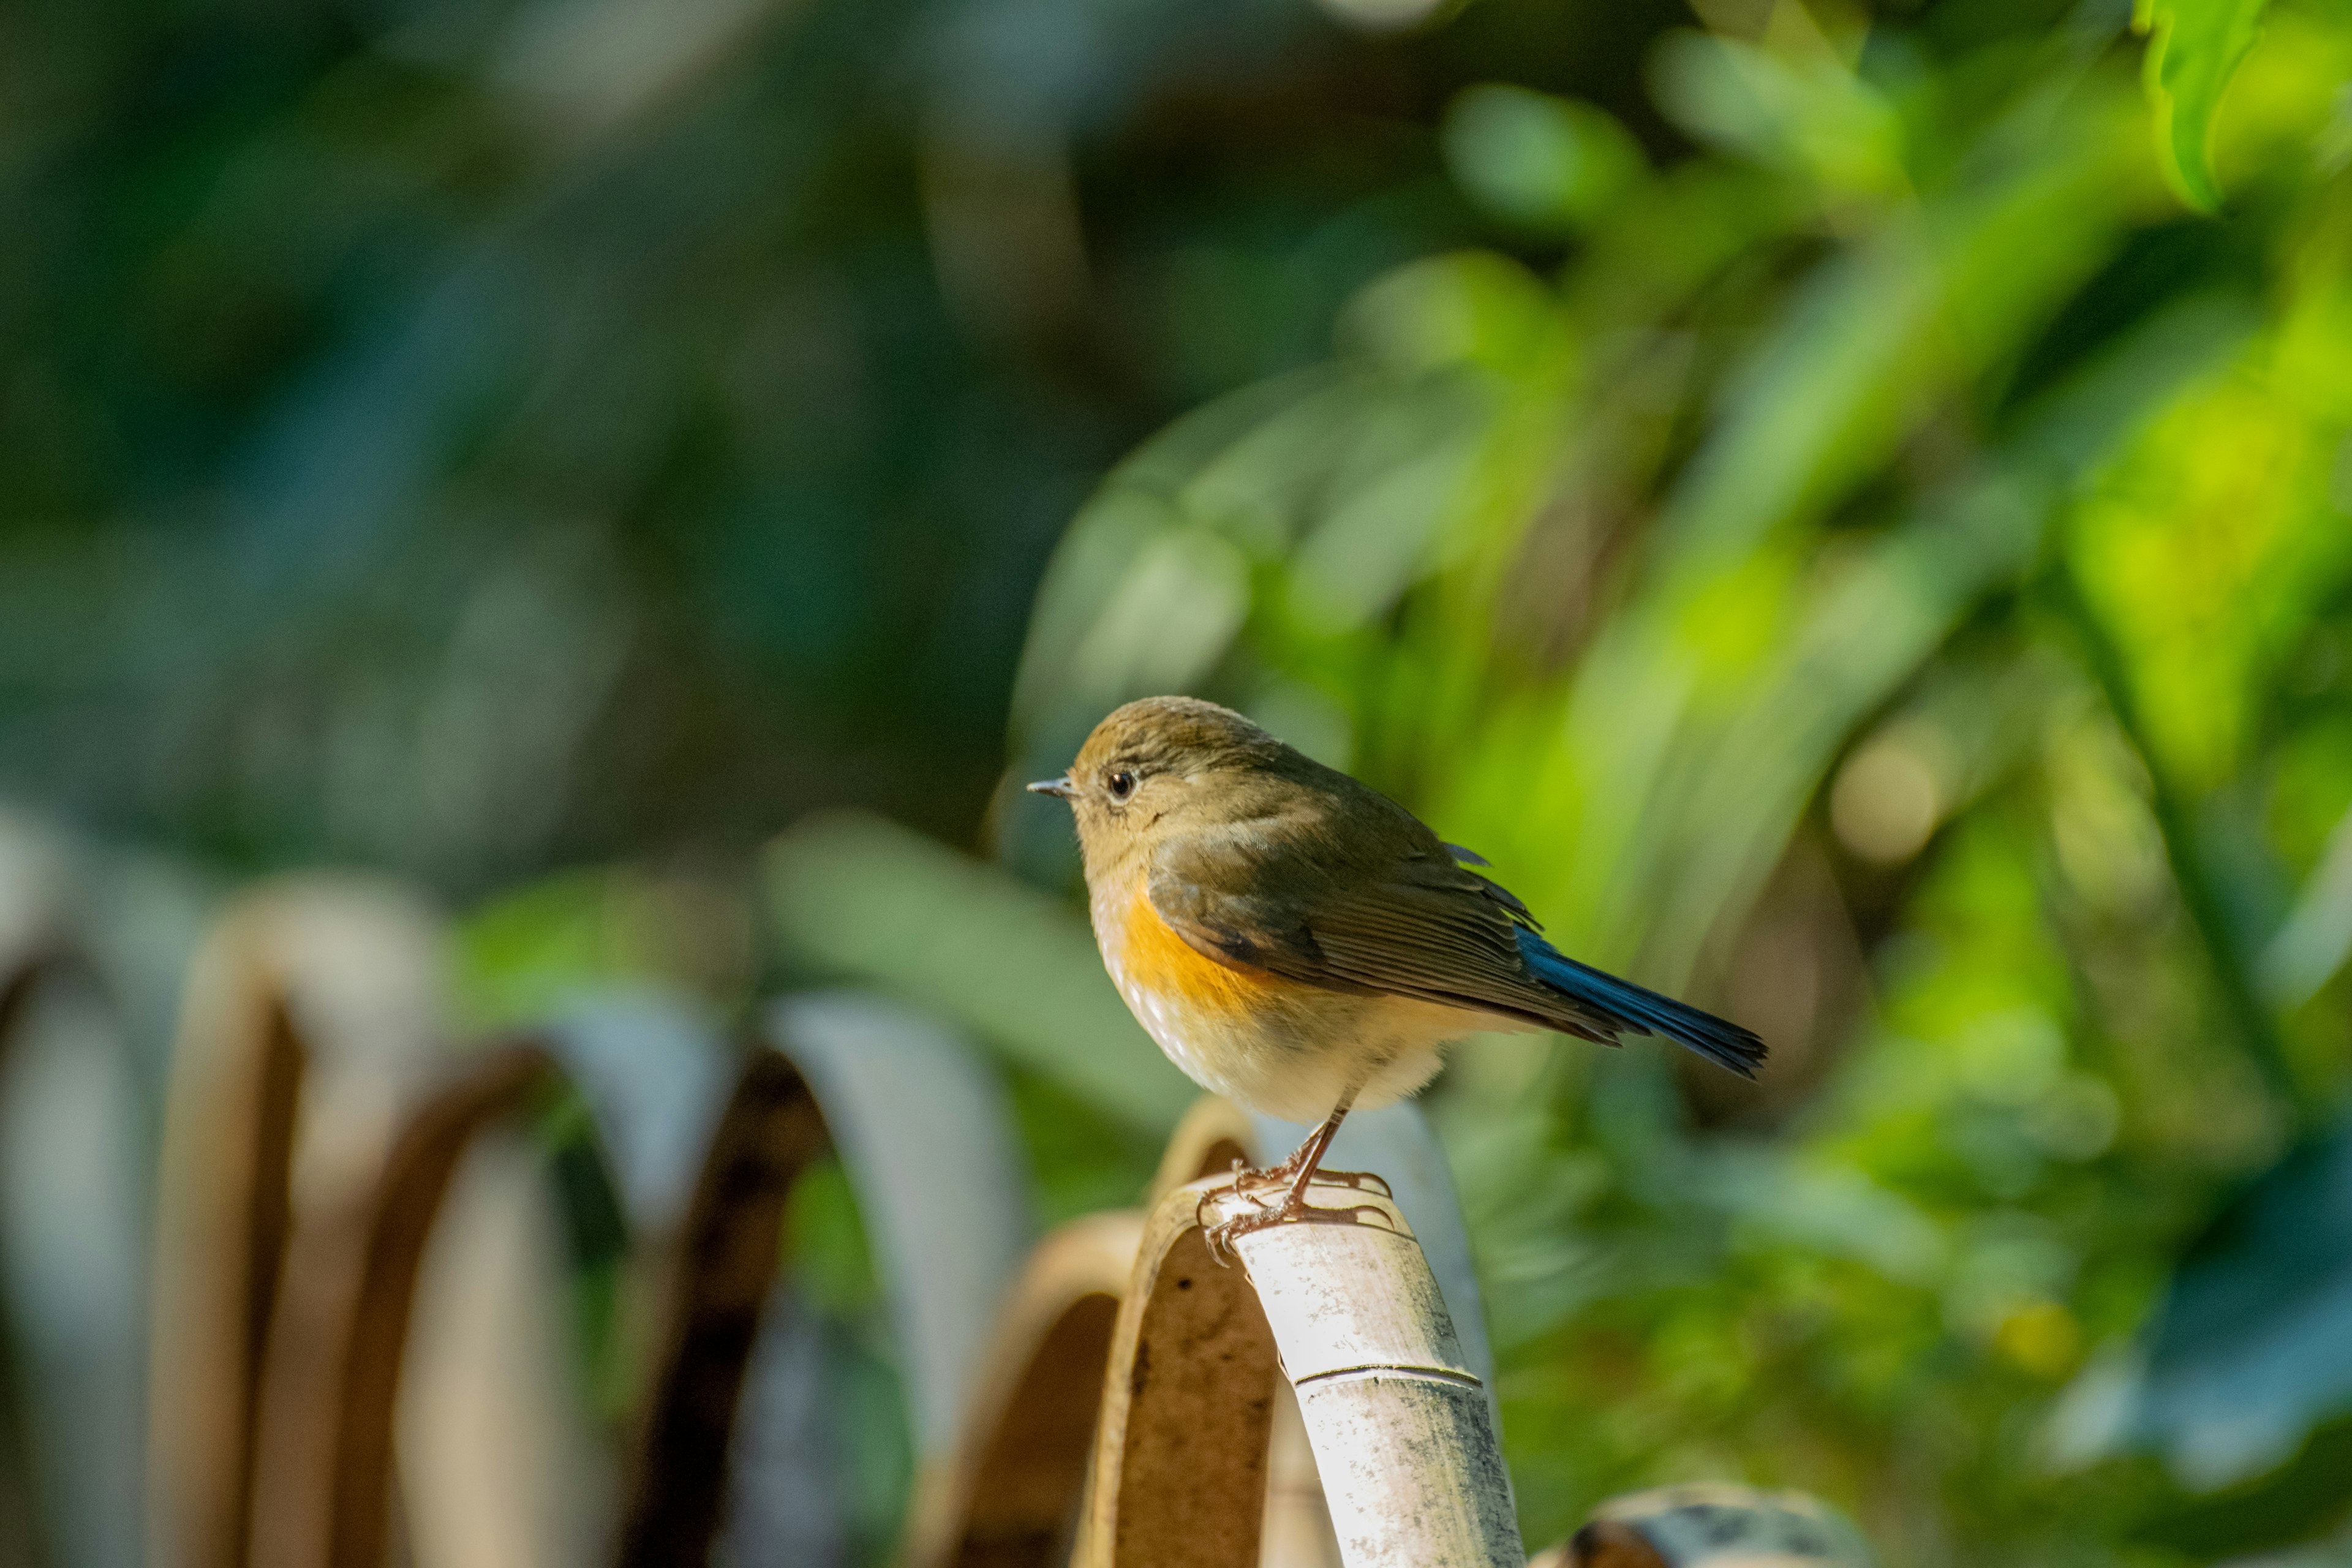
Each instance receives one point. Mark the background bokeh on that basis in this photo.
(1849, 509)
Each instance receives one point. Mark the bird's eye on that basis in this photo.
(1122, 784)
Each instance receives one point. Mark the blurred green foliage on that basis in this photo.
(2192, 52)
(1847, 510)
(481, 437)
(1885, 572)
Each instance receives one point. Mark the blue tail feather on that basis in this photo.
(1637, 1008)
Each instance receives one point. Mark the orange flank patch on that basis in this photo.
(1159, 960)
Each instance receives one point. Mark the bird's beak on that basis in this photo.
(1061, 786)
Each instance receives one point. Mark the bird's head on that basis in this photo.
(1162, 764)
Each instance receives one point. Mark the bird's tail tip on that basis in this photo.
(1719, 1040)
(1645, 1011)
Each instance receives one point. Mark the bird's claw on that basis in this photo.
(1356, 1179)
(1292, 1210)
(1282, 1174)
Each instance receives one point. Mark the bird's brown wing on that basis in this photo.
(1394, 915)
(1450, 944)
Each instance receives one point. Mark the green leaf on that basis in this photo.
(2194, 48)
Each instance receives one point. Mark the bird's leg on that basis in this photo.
(1305, 1157)
(1306, 1154)
(1300, 1171)
(1304, 1160)
(1303, 1163)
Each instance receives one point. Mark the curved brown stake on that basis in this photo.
(1180, 1452)
(727, 1260)
(324, 1440)
(305, 952)
(1010, 1500)
(223, 1214)
(1215, 1139)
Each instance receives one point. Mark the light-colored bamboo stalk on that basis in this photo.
(1401, 1429)
(1298, 1529)
(1403, 1436)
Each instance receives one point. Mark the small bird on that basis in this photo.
(1300, 943)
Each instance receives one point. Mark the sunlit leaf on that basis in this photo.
(2194, 48)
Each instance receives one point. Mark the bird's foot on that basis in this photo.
(1248, 1183)
(1286, 1172)
(1244, 1179)
(1294, 1209)
(1356, 1179)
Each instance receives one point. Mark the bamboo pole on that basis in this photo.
(1401, 1429)
(1403, 1434)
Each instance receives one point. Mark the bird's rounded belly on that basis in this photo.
(1274, 1045)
